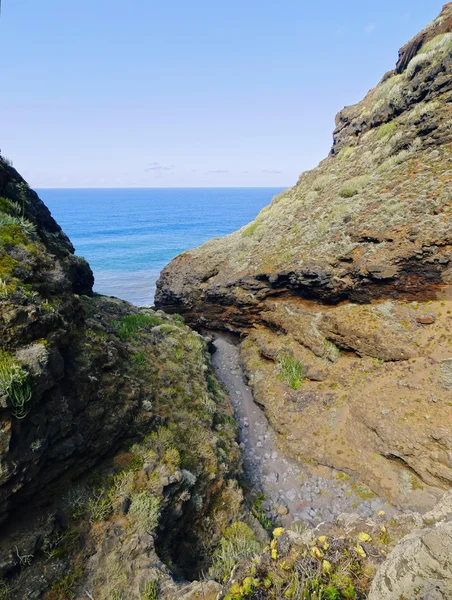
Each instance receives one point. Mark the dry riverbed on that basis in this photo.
(292, 491)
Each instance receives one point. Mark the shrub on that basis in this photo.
(238, 543)
(250, 230)
(418, 63)
(6, 206)
(14, 381)
(386, 129)
(11, 234)
(439, 43)
(144, 511)
(100, 506)
(322, 182)
(354, 186)
(7, 266)
(386, 89)
(291, 369)
(25, 225)
(346, 153)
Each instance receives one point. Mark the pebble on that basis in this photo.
(291, 494)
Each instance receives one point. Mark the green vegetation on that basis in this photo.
(322, 182)
(354, 186)
(438, 43)
(386, 129)
(292, 371)
(139, 358)
(145, 511)
(130, 325)
(258, 512)
(429, 53)
(7, 266)
(14, 381)
(150, 590)
(346, 153)
(8, 207)
(24, 224)
(250, 230)
(11, 234)
(238, 543)
(63, 587)
(320, 568)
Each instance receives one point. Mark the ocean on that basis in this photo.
(129, 235)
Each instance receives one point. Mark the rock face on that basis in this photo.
(371, 221)
(350, 274)
(116, 442)
(420, 566)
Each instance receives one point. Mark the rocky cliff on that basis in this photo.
(342, 288)
(117, 446)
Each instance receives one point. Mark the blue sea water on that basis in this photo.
(129, 235)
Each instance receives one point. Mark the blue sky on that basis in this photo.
(109, 93)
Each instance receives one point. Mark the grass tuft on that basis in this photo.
(292, 371)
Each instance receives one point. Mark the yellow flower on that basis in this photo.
(316, 553)
(326, 566)
(364, 537)
(278, 531)
(360, 551)
(322, 541)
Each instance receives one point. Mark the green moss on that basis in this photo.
(363, 492)
(7, 266)
(12, 235)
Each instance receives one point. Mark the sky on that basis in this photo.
(170, 93)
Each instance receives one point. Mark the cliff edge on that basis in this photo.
(342, 288)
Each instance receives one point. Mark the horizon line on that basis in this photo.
(166, 187)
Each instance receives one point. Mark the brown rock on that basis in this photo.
(426, 320)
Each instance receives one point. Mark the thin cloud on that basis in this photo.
(158, 167)
(271, 171)
(370, 28)
(217, 172)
